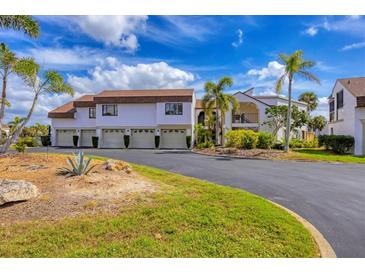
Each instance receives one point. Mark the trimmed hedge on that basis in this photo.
(126, 140)
(265, 141)
(340, 144)
(95, 141)
(157, 141)
(248, 139)
(188, 141)
(75, 140)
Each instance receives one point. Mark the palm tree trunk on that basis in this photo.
(19, 127)
(2, 107)
(217, 137)
(288, 123)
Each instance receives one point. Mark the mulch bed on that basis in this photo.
(264, 154)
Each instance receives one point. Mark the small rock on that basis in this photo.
(16, 190)
(114, 165)
(158, 236)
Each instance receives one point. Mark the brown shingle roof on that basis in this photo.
(145, 92)
(354, 85)
(85, 101)
(65, 111)
(144, 96)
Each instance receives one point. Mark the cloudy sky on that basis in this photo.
(127, 52)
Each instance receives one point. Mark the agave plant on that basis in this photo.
(79, 166)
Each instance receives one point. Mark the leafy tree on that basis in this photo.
(216, 98)
(48, 83)
(16, 121)
(295, 65)
(23, 23)
(310, 98)
(277, 118)
(317, 122)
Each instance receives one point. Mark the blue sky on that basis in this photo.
(126, 52)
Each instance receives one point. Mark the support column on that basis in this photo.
(99, 134)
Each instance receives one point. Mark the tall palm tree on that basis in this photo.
(23, 23)
(295, 65)
(310, 98)
(48, 83)
(9, 64)
(215, 97)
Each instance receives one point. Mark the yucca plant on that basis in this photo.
(79, 166)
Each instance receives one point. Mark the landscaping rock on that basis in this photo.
(115, 165)
(16, 190)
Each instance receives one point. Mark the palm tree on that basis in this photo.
(310, 98)
(48, 83)
(23, 23)
(9, 64)
(214, 97)
(294, 65)
(16, 121)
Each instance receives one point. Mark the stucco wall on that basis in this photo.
(81, 120)
(184, 119)
(359, 133)
(344, 124)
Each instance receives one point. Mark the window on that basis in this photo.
(339, 97)
(332, 109)
(173, 109)
(110, 110)
(92, 113)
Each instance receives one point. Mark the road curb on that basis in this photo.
(325, 249)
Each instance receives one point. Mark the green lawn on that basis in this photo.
(186, 218)
(322, 155)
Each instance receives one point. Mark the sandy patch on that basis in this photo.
(99, 191)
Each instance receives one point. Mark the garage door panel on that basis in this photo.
(65, 137)
(113, 138)
(86, 137)
(143, 138)
(173, 138)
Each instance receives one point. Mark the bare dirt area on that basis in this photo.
(59, 196)
(264, 154)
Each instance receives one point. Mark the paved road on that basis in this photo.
(330, 196)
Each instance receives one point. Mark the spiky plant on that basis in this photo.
(79, 166)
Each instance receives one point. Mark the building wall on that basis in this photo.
(184, 119)
(81, 120)
(344, 121)
(359, 131)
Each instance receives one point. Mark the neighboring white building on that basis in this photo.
(347, 111)
(141, 114)
(251, 113)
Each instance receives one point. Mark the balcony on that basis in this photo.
(245, 120)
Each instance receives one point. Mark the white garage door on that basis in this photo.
(143, 138)
(173, 138)
(113, 138)
(64, 137)
(86, 137)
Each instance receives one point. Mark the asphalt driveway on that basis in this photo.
(330, 196)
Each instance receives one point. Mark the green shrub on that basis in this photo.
(250, 139)
(265, 140)
(241, 138)
(95, 141)
(20, 145)
(234, 138)
(206, 144)
(279, 146)
(340, 144)
(157, 141)
(126, 140)
(311, 143)
(296, 143)
(30, 141)
(188, 141)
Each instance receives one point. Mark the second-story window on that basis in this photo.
(92, 113)
(173, 109)
(339, 98)
(110, 110)
(332, 108)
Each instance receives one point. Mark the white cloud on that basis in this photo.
(273, 69)
(322, 108)
(311, 31)
(240, 39)
(140, 76)
(113, 30)
(358, 45)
